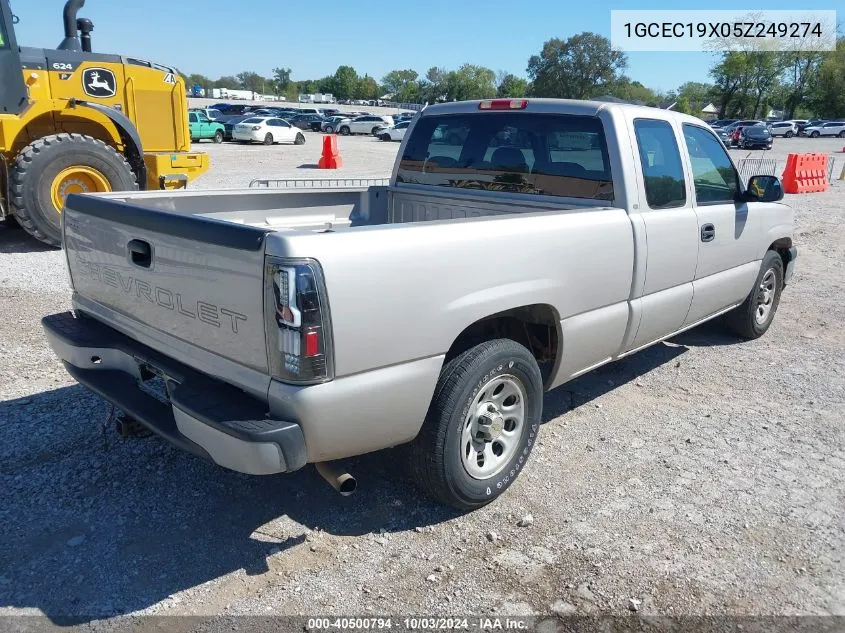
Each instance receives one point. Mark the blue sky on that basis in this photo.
(218, 37)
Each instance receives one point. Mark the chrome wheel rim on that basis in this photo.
(493, 426)
(765, 296)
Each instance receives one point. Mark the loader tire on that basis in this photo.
(50, 168)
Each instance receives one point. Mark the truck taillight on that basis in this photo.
(299, 336)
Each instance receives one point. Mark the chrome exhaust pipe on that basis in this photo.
(340, 480)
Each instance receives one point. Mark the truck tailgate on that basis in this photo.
(194, 278)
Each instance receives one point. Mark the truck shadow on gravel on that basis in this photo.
(97, 525)
(13, 239)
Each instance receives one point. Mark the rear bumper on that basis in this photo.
(204, 416)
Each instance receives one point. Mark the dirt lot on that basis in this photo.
(702, 476)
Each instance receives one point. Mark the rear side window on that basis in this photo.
(253, 120)
(660, 158)
(538, 154)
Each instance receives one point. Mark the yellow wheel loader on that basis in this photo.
(73, 121)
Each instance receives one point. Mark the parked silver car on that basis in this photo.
(784, 128)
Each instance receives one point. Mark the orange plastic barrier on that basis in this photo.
(331, 156)
(805, 173)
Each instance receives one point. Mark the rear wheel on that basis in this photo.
(218, 136)
(815, 134)
(841, 134)
(268, 139)
(481, 425)
(789, 134)
(344, 130)
(299, 140)
(329, 129)
(49, 169)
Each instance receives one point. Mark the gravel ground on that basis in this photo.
(702, 476)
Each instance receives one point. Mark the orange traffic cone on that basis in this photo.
(331, 156)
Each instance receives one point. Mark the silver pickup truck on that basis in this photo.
(519, 244)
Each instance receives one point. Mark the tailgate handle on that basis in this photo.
(140, 253)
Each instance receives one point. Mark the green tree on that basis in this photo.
(325, 84)
(682, 105)
(577, 68)
(249, 80)
(281, 78)
(432, 88)
(367, 88)
(201, 80)
(627, 90)
(827, 94)
(345, 82)
(801, 69)
(511, 86)
(731, 75)
(308, 86)
(470, 82)
(402, 84)
(698, 93)
(228, 82)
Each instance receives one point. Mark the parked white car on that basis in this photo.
(331, 125)
(365, 124)
(395, 133)
(267, 130)
(831, 128)
(784, 128)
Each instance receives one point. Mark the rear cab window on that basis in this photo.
(663, 172)
(530, 153)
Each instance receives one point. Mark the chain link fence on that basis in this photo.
(756, 167)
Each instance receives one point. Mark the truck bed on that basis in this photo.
(310, 209)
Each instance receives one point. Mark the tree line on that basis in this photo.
(745, 84)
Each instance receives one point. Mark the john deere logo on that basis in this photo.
(99, 82)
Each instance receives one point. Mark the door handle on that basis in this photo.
(140, 253)
(708, 233)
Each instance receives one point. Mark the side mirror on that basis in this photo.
(764, 189)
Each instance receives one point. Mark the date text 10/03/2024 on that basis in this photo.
(420, 623)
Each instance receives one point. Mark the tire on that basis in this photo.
(344, 130)
(33, 176)
(268, 139)
(299, 140)
(789, 134)
(748, 319)
(385, 137)
(815, 134)
(218, 136)
(329, 129)
(443, 454)
(841, 134)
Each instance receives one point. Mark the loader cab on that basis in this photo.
(12, 87)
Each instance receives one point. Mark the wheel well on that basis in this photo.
(781, 247)
(537, 327)
(45, 125)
